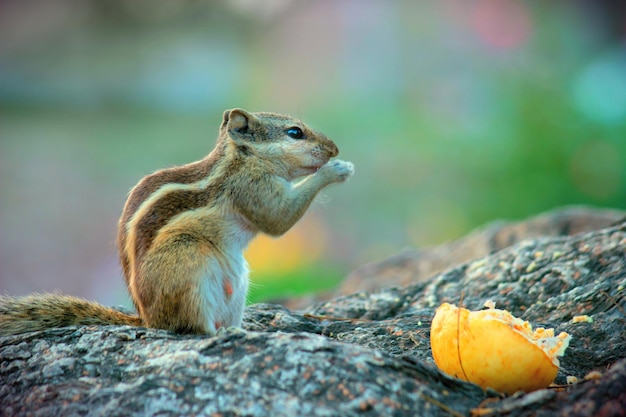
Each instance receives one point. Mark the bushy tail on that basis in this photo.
(43, 311)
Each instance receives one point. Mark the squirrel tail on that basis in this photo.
(44, 311)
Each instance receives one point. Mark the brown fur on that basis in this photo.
(180, 224)
(40, 311)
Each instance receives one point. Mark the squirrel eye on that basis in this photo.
(295, 133)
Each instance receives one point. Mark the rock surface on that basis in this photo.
(416, 265)
(367, 353)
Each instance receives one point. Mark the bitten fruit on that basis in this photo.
(494, 349)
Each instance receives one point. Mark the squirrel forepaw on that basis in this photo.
(339, 170)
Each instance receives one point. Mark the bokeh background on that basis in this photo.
(454, 112)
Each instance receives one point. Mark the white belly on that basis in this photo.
(223, 306)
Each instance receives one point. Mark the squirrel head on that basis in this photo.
(291, 146)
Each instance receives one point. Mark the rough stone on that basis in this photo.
(417, 265)
(367, 353)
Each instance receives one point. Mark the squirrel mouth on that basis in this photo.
(313, 168)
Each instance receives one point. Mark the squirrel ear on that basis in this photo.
(237, 120)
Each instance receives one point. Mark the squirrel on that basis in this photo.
(183, 230)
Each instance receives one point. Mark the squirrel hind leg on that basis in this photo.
(176, 304)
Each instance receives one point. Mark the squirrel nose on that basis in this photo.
(332, 149)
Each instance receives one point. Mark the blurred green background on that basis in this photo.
(454, 113)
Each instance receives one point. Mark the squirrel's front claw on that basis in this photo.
(339, 170)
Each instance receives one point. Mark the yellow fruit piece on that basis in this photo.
(582, 319)
(494, 349)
